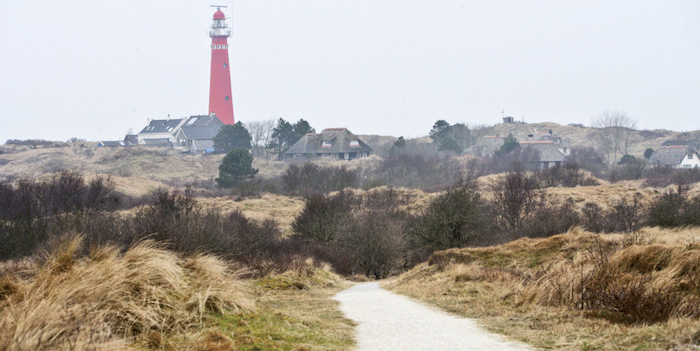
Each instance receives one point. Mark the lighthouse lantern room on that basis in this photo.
(220, 100)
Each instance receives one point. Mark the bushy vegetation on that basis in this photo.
(416, 170)
(310, 178)
(31, 211)
(357, 234)
(576, 290)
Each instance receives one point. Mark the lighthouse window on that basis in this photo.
(226, 98)
(225, 65)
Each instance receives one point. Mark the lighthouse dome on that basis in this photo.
(218, 15)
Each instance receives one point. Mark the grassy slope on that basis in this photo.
(512, 288)
(150, 298)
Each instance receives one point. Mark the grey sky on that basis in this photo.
(95, 69)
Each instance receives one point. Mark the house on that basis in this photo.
(562, 145)
(487, 146)
(332, 142)
(111, 143)
(194, 133)
(508, 120)
(197, 133)
(131, 140)
(159, 132)
(676, 156)
(549, 155)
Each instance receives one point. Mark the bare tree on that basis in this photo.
(261, 132)
(616, 132)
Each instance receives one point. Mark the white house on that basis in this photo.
(160, 132)
(676, 156)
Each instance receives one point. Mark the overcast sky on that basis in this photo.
(95, 69)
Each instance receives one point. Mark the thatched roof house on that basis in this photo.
(332, 142)
(549, 155)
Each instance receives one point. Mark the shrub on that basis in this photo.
(513, 198)
(31, 210)
(675, 209)
(322, 216)
(417, 171)
(454, 219)
(546, 219)
(311, 179)
(356, 234)
(589, 159)
(569, 175)
(663, 176)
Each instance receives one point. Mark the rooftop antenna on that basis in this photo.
(522, 99)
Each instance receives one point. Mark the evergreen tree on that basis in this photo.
(232, 136)
(648, 152)
(509, 144)
(237, 165)
(398, 145)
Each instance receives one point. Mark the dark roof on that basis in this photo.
(547, 150)
(202, 121)
(557, 140)
(156, 142)
(162, 126)
(131, 139)
(487, 145)
(669, 155)
(339, 140)
(199, 132)
(111, 143)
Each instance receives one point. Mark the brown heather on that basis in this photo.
(113, 300)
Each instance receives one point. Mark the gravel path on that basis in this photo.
(387, 321)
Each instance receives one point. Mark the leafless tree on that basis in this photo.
(261, 132)
(617, 131)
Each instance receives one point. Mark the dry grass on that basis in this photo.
(113, 300)
(531, 289)
(281, 208)
(151, 298)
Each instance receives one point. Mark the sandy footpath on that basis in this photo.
(388, 321)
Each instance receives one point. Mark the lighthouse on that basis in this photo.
(220, 100)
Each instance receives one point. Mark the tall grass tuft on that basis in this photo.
(113, 300)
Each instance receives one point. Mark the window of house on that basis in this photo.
(326, 143)
(690, 156)
(354, 143)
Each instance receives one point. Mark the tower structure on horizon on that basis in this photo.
(220, 99)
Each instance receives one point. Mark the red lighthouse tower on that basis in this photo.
(220, 82)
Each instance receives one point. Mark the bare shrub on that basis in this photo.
(662, 176)
(568, 175)
(514, 198)
(356, 234)
(313, 179)
(32, 210)
(546, 219)
(456, 218)
(416, 171)
(675, 209)
(630, 284)
(589, 159)
(322, 216)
